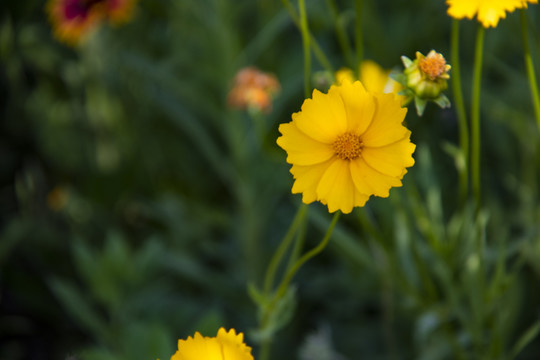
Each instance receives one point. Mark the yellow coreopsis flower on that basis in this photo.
(488, 12)
(225, 346)
(347, 145)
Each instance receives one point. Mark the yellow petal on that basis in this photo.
(196, 348)
(369, 181)
(359, 106)
(336, 187)
(322, 118)
(344, 75)
(391, 159)
(490, 13)
(372, 76)
(302, 149)
(459, 9)
(307, 179)
(359, 198)
(232, 345)
(386, 126)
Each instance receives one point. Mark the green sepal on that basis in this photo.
(420, 105)
(406, 61)
(442, 101)
(399, 77)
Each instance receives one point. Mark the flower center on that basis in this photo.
(348, 146)
(433, 65)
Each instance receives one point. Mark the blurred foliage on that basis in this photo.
(135, 206)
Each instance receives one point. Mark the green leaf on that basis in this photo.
(256, 295)
(526, 338)
(76, 304)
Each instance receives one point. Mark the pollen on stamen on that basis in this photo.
(348, 146)
(433, 65)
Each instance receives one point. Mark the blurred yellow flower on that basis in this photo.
(73, 20)
(347, 145)
(372, 76)
(253, 90)
(225, 346)
(488, 11)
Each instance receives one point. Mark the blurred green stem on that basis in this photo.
(342, 37)
(359, 36)
(305, 41)
(319, 54)
(461, 115)
(289, 274)
(475, 115)
(299, 243)
(530, 67)
(316, 250)
(299, 219)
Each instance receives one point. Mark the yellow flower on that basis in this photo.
(372, 76)
(488, 11)
(347, 145)
(225, 346)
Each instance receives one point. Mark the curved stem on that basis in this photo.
(292, 271)
(282, 248)
(461, 114)
(530, 67)
(264, 353)
(475, 116)
(305, 41)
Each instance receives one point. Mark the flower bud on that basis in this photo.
(427, 75)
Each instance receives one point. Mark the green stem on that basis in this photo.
(317, 52)
(316, 250)
(341, 34)
(475, 115)
(298, 244)
(359, 36)
(282, 248)
(530, 67)
(264, 353)
(305, 41)
(463, 169)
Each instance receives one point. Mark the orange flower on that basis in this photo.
(253, 89)
(120, 11)
(74, 20)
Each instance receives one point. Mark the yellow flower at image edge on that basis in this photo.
(347, 145)
(225, 346)
(489, 12)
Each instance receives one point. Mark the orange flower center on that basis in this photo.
(348, 146)
(433, 65)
